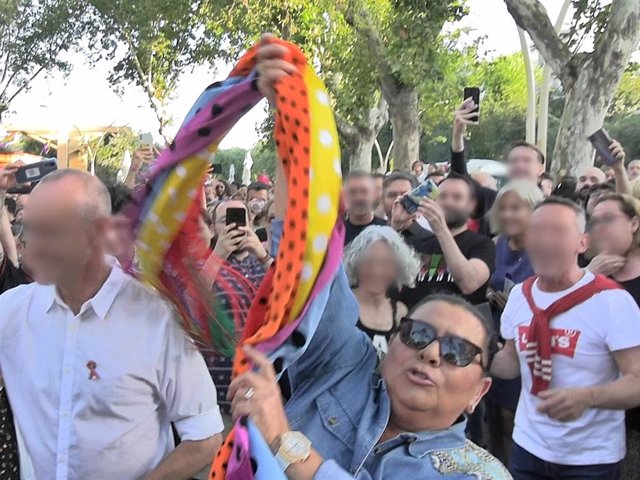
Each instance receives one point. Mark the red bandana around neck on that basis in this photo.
(538, 347)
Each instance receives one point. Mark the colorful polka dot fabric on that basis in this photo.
(311, 245)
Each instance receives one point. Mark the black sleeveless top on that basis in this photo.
(380, 338)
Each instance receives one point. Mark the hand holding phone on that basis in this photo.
(36, 171)
(146, 140)
(8, 177)
(237, 216)
(601, 142)
(411, 201)
(472, 93)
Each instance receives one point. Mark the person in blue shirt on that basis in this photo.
(509, 218)
(402, 418)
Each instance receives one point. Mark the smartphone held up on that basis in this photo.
(35, 171)
(601, 142)
(237, 216)
(472, 94)
(427, 189)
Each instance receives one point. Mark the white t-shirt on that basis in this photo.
(582, 341)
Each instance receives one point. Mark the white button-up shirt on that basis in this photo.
(147, 374)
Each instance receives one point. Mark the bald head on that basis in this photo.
(67, 222)
(634, 169)
(588, 178)
(89, 194)
(486, 180)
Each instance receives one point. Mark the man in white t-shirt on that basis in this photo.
(575, 339)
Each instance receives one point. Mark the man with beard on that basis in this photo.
(589, 177)
(359, 195)
(454, 259)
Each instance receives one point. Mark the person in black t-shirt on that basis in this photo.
(454, 259)
(359, 195)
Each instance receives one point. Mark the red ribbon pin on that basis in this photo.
(93, 374)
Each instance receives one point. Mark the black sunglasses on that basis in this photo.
(453, 350)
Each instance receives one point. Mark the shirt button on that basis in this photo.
(65, 414)
(61, 459)
(67, 370)
(332, 421)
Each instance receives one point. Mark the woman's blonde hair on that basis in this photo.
(528, 192)
(407, 259)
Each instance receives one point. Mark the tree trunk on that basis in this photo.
(588, 79)
(584, 112)
(543, 106)
(405, 121)
(360, 138)
(531, 88)
(360, 149)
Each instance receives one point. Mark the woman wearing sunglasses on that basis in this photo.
(349, 416)
(406, 420)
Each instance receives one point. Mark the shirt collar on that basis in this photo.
(101, 301)
(421, 443)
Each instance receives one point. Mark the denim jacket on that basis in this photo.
(341, 403)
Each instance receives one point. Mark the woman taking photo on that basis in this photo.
(377, 261)
(509, 218)
(614, 228)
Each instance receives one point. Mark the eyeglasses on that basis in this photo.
(453, 349)
(605, 220)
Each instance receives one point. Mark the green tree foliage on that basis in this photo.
(34, 35)
(228, 157)
(152, 42)
(264, 161)
(627, 97)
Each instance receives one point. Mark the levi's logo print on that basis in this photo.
(563, 341)
(434, 269)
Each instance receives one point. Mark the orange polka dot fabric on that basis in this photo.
(306, 141)
(173, 255)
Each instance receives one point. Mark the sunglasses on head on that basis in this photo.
(453, 350)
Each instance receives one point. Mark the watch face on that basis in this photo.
(296, 444)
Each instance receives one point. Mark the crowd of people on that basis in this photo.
(492, 333)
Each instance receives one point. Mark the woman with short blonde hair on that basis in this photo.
(509, 217)
(527, 192)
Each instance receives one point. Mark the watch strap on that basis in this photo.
(282, 462)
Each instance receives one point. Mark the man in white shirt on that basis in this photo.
(96, 365)
(575, 339)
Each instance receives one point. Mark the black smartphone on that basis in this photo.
(601, 141)
(473, 93)
(237, 216)
(36, 171)
(216, 168)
